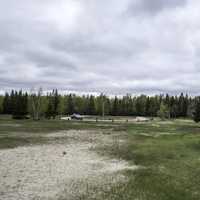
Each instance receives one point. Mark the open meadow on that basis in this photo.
(88, 160)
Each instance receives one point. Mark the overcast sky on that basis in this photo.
(111, 46)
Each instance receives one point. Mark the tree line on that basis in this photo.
(21, 104)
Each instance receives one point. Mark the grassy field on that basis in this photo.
(167, 154)
(12, 130)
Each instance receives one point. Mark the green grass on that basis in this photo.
(14, 133)
(168, 153)
(44, 126)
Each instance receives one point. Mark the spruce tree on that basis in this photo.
(115, 109)
(56, 101)
(91, 106)
(20, 105)
(147, 107)
(49, 111)
(12, 101)
(6, 104)
(196, 114)
(70, 105)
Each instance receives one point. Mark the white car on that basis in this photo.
(66, 118)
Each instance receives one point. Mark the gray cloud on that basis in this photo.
(49, 60)
(92, 46)
(153, 7)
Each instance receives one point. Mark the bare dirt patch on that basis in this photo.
(60, 169)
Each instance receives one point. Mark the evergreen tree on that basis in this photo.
(70, 105)
(154, 106)
(20, 105)
(12, 101)
(56, 100)
(53, 104)
(115, 109)
(49, 111)
(181, 105)
(140, 105)
(6, 104)
(196, 114)
(91, 106)
(1, 104)
(185, 106)
(167, 100)
(147, 107)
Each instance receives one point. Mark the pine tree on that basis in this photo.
(147, 107)
(115, 109)
(91, 106)
(196, 114)
(56, 100)
(185, 106)
(6, 104)
(140, 105)
(1, 104)
(20, 105)
(12, 101)
(49, 111)
(70, 105)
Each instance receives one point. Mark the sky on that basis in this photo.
(114, 47)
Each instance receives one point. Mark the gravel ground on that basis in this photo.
(58, 170)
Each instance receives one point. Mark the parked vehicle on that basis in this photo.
(66, 118)
(76, 116)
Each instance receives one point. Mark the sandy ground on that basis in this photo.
(60, 170)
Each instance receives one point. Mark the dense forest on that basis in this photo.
(21, 104)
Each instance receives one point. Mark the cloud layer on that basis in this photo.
(116, 47)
